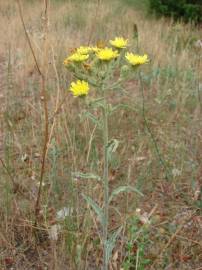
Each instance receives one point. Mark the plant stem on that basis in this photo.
(105, 184)
(43, 94)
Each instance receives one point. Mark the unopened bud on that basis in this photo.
(125, 70)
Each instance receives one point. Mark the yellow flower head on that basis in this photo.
(107, 54)
(119, 42)
(79, 88)
(135, 59)
(84, 50)
(78, 57)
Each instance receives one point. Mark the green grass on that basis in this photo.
(144, 4)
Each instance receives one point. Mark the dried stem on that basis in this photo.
(46, 131)
(8, 172)
(57, 100)
(27, 37)
(43, 94)
(94, 22)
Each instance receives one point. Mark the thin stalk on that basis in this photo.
(137, 259)
(168, 175)
(16, 187)
(43, 93)
(45, 107)
(95, 20)
(198, 82)
(105, 185)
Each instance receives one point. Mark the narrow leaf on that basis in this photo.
(96, 208)
(123, 189)
(111, 147)
(97, 103)
(86, 175)
(91, 117)
(121, 106)
(111, 242)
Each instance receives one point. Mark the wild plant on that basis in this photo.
(97, 72)
(137, 244)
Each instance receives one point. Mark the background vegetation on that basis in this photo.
(187, 10)
(160, 131)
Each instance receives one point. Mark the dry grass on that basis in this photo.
(164, 162)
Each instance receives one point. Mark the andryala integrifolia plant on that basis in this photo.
(98, 70)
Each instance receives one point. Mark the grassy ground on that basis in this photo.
(159, 151)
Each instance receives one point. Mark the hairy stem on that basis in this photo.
(106, 185)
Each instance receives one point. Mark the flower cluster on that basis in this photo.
(85, 57)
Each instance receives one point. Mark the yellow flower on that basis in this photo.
(84, 50)
(119, 42)
(79, 88)
(135, 59)
(78, 57)
(107, 54)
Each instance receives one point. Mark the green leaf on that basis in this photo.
(111, 147)
(111, 242)
(86, 175)
(120, 107)
(82, 76)
(97, 103)
(123, 189)
(91, 117)
(96, 208)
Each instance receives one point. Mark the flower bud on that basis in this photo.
(125, 71)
